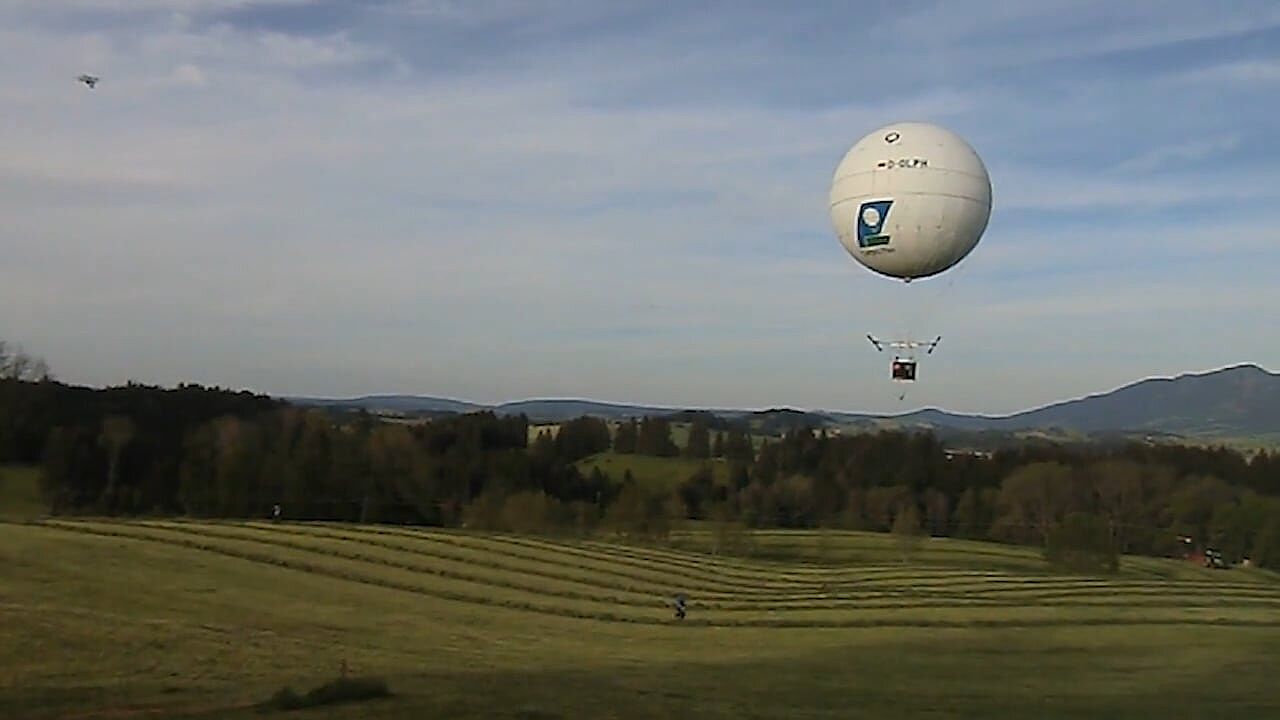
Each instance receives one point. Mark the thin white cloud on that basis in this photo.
(189, 75)
(1244, 72)
(1189, 151)
(485, 11)
(144, 6)
(1015, 32)
(1032, 189)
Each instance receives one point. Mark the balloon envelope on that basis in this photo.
(910, 200)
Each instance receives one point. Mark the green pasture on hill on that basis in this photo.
(679, 433)
(651, 471)
(110, 619)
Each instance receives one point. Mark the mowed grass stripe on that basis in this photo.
(1121, 602)
(955, 552)
(448, 570)
(902, 582)
(762, 579)
(948, 550)
(1048, 589)
(814, 575)
(1067, 583)
(1131, 586)
(413, 545)
(1147, 600)
(760, 575)
(868, 541)
(568, 555)
(595, 577)
(709, 575)
(705, 598)
(564, 557)
(726, 566)
(914, 581)
(753, 568)
(757, 616)
(325, 548)
(464, 560)
(1008, 596)
(333, 567)
(859, 546)
(1028, 615)
(1005, 617)
(317, 541)
(751, 616)
(366, 571)
(704, 566)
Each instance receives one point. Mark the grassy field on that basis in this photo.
(654, 472)
(109, 619)
(679, 433)
(1249, 444)
(20, 493)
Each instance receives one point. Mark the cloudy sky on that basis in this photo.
(502, 199)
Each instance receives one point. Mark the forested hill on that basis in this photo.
(31, 411)
(545, 410)
(1243, 400)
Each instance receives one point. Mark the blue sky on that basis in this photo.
(494, 200)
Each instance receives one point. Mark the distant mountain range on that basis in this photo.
(407, 404)
(1238, 401)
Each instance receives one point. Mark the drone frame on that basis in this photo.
(905, 344)
(907, 361)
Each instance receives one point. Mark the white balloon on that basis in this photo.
(910, 200)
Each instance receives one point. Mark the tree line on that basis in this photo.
(17, 364)
(209, 452)
(1151, 499)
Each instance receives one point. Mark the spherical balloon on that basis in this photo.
(910, 200)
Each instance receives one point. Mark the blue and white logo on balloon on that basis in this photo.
(871, 223)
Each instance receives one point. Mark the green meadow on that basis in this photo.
(111, 619)
(651, 471)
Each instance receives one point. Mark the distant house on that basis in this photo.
(955, 453)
